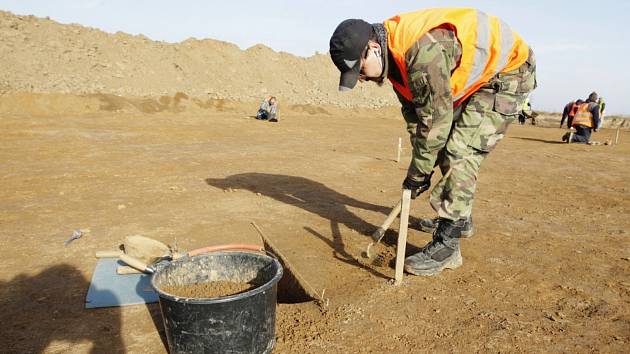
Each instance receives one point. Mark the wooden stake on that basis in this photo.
(402, 236)
(617, 137)
(399, 150)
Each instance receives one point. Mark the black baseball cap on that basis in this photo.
(346, 45)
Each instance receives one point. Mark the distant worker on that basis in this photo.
(586, 120)
(569, 112)
(461, 76)
(268, 109)
(526, 112)
(602, 107)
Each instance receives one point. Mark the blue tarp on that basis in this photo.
(109, 289)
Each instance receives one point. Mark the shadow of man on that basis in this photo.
(304, 193)
(539, 140)
(46, 311)
(313, 197)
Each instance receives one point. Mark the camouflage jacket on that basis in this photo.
(428, 73)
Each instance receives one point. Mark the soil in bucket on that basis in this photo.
(208, 290)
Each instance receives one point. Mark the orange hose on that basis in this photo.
(232, 246)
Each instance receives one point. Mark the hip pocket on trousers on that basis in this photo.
(495, 122)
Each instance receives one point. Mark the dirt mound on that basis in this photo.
(43, 56)
(60, 104)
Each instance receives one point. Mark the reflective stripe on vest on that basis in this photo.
(489, 46)
(583, 116)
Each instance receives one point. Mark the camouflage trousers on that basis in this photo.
(477, 127)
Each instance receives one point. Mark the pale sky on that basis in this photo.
(580, 46)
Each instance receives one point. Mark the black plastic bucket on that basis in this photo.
(241, 323)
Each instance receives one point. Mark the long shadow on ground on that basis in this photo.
(539, 140)
(313, 197)
(303, 193)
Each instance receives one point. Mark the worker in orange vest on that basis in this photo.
(586, 120)
(461, 76)
(569, 112)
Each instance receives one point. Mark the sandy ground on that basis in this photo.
(547, 271)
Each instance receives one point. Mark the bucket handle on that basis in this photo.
(232, 246)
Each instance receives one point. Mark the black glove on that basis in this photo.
(417, 187)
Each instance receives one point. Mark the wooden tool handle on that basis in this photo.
(392, 216)
(123, 270)
(378, 234)
(108, 254)
(135, 263)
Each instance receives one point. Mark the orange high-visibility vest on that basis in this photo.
(583, 116)
(489, 46)
(573, 110)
